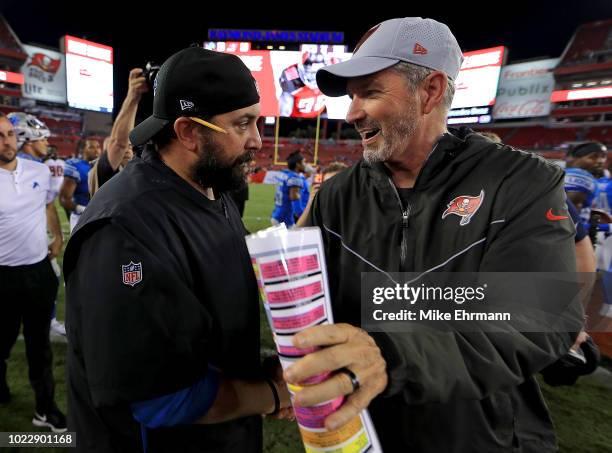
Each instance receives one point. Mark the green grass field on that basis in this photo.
(582, 413)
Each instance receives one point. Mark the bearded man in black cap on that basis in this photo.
(162, 304)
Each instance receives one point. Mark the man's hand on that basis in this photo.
(137, 85)
(349, 347)
(55, 248)
(581, 338)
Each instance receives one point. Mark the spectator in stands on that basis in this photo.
(118, 150)
(27, 282)
(329, 172)
(74, 193)
(287, 198)
(391, 212)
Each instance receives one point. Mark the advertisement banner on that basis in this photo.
(524, 90)
(89, 75)
(287, 79)
(476, 86)
(45, 75)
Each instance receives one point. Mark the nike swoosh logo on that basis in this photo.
(553, 217)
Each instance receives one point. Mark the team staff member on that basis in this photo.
(27, 282)
(32, 135)
(425, 199)
(74, 193)
(162, 302)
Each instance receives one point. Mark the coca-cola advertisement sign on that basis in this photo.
(524, 90)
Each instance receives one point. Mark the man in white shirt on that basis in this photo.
(27, 281)
(32, 135)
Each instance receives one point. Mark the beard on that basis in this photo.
(8, 151)
(393, 137)
(212, 170)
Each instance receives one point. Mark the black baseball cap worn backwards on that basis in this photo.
(197, 82)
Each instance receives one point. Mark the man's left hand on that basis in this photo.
(344, 346)
(55, 248)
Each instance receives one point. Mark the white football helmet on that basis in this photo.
(28, 128)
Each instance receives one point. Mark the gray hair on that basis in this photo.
(415, 74)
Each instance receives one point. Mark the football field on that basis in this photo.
(582, 413)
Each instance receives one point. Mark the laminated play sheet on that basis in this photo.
(292, 279)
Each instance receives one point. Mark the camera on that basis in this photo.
(149, 72)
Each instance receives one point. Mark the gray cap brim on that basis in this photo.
(146, 130)
(332, 79)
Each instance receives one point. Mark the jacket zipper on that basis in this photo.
(405, 216)
(224, 208)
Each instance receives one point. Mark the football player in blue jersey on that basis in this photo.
(583, 161)
(597, 160)
(288, 195)
(74, 193)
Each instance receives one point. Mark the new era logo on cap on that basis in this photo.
(196, 82)
(186, 105)
(419, 49)
(423, 42)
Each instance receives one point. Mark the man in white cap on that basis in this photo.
(397, 210)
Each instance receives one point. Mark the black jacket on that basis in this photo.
(453, 392)
(138, 334)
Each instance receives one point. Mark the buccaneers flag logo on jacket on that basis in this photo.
(465, 206)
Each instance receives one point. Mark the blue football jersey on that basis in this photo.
(604, 194)
(283, 208)
(78, 169)
(579, 180)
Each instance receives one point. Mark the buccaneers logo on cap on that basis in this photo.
(465, 206)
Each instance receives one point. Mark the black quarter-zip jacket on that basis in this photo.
(193, 305)
(453, 392)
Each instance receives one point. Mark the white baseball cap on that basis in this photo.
(424, 42)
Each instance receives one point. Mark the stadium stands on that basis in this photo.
(591, 44)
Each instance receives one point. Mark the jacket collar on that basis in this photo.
(452, 146)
